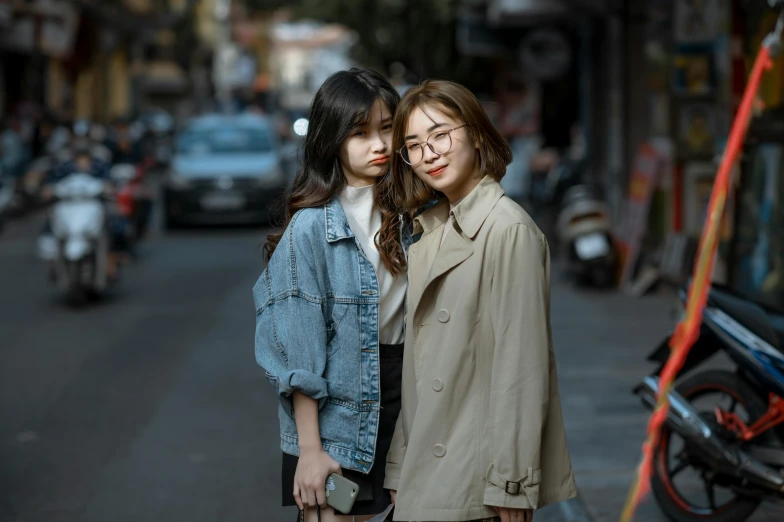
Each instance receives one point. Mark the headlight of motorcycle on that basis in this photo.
(178, 181)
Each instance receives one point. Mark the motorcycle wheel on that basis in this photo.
(75, 293)
(669, 497)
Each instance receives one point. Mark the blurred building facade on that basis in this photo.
(686, 68)
(560, 50)
(304, 54)
(660, 77)
(87, 59)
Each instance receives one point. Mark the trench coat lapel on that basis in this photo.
(455, 250)
(469, 215)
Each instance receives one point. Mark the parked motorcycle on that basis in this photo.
(720, 452)
(78, 246)
(584, 229)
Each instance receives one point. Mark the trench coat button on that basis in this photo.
(443, 315)
(439, 450)
(438, 384)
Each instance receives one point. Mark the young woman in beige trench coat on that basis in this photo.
(480, 434)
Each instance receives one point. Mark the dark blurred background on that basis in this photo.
(128, 385)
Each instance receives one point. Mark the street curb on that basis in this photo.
(576, 510)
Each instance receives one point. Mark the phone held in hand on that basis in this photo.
(341, 493)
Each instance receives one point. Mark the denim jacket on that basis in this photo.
(317, 332)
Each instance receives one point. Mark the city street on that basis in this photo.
(150, 406)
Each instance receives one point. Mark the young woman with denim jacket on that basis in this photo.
(329, 306)
(480, 434)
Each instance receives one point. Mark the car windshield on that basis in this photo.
(224, 140)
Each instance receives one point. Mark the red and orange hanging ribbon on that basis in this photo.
(688, 329)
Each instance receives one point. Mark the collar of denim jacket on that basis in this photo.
(335, 221)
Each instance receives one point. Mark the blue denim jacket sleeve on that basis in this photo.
(290, 327)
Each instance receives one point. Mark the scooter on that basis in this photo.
(584, 229)
(720, 452)
(78, 246)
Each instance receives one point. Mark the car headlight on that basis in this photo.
(178, 181)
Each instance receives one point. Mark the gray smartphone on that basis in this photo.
(341, 493)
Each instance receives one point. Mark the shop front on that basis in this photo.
(698, 54)
(757, 247)
(756, 250)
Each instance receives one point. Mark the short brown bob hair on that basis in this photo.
(401, 190)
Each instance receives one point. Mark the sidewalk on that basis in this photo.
(601, 342)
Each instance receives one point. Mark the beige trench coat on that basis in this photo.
(481, 421)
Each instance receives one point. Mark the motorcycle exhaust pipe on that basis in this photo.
(683, 419)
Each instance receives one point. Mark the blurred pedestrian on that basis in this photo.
(329, 306)
(480, 433)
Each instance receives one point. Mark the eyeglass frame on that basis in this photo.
(429, 145)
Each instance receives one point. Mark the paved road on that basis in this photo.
(150, 406)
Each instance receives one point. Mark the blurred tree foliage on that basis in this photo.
(418, 33)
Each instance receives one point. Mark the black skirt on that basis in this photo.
(372, 498)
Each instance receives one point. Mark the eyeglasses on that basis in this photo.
(440, 142)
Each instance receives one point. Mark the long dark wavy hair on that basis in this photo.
(342, 103)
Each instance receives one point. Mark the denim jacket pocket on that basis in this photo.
(339, 313)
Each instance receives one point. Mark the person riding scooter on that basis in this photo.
(84, 162)
(126, 149)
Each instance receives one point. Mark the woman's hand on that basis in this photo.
(393, 494)
(313, 468)
(514, 515)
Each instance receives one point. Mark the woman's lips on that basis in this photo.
(380, 161)
(436, 171)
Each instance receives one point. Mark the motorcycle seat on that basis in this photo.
(766, 324)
